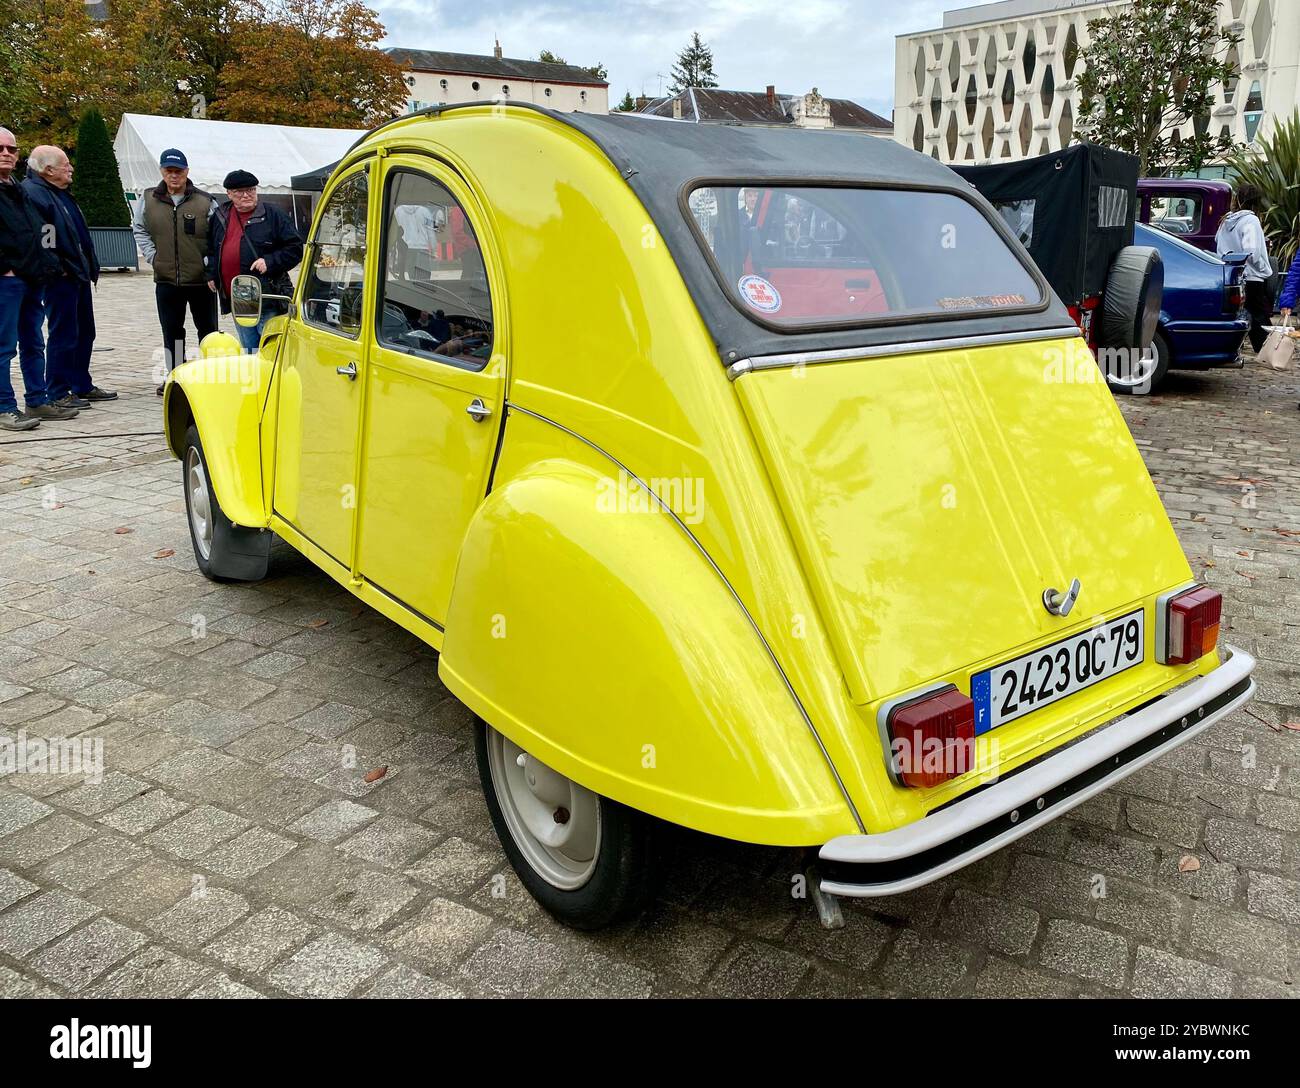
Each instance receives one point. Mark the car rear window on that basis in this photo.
(793, 257)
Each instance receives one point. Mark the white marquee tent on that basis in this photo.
(274, 153)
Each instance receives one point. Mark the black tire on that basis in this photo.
(624, 875)
(1160, 353)
(234, 553)
(1130, 307)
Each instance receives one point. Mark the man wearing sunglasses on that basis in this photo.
(26, 266)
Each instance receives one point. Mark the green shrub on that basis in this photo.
(97, 183)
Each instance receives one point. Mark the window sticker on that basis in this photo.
(981, 302)
(760, 294)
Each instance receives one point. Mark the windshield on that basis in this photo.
(794, 257)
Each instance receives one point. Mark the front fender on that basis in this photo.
(223, 393)
(599, 638)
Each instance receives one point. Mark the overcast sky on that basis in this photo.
(845, 50)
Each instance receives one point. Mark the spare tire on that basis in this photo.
(1130, 308)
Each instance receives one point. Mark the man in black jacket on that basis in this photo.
(69, 303)
(250, 236)
(25, 267)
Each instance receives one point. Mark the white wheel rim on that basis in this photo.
(1141, 373)
(554, 821)
(198, 501)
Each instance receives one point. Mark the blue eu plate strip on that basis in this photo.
(981, 696)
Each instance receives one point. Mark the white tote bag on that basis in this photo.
(1279, 349)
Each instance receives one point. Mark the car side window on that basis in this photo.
(336, 277)
(435, 300)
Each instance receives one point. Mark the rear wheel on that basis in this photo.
(588, 860)
(1145, 375)
(223, 550)
(1130, 313)
(1130, 307)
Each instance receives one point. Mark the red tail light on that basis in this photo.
(1234, 298)
(1082, 314)
(932, 738)
(1191, 626)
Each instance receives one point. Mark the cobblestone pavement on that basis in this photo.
(231, 850)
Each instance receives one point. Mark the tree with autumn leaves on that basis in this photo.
(61, 61)
(300, 62)
(309, 62)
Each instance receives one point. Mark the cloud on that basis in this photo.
(845, 50)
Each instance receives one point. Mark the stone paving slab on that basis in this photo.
(233, 849)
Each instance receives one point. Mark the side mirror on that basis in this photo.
(246, 300)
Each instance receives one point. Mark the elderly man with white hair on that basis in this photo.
(69, 304)
(26, 266)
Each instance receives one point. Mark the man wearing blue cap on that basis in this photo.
(171, 226)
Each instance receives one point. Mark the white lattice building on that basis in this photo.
(1000, 81)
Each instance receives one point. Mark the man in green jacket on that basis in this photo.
(171, 226)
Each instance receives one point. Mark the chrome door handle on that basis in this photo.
(349, 371)
(477, 410)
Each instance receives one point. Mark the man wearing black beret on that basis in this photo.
(250, 236)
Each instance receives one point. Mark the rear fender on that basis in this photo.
(596, 635)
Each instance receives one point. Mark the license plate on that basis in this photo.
(1035, 680)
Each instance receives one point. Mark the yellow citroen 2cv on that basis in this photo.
(749, 480)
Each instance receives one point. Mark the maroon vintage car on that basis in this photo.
(1188, 208)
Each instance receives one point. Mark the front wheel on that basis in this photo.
(223, 550)
(588, 860)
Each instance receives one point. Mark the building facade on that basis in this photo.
(999, 81)
(435, 79)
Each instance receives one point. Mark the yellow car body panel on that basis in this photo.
(717, 658)
(677, 709)
(419, 440)
(224, 392)
(932, 498)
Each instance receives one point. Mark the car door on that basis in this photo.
(323, 365)
(435, 384)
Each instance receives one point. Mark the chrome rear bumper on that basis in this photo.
(989, 818)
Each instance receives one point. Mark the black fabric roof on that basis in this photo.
(662, 159)
(430, 60)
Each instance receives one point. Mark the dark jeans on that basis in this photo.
(21, 316)
(1259, 304)
(31, 346)
(172, 301)
(251, 338)
(70, 308)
